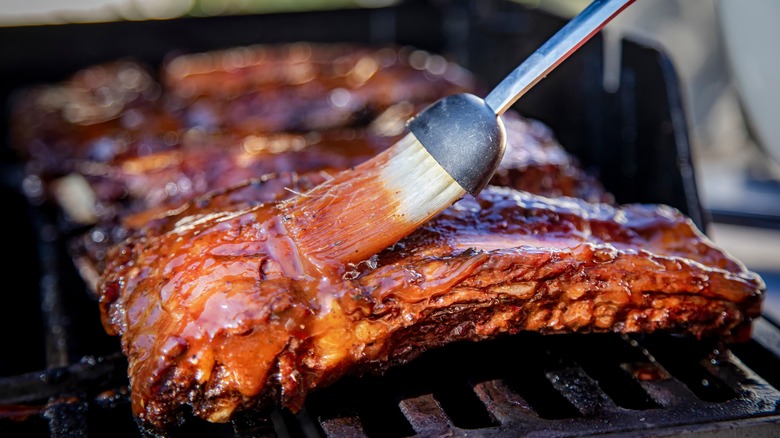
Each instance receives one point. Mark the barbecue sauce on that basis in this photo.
(224, 307)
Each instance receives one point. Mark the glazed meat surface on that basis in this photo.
(216, 309)
(218, 118)
(534, 162)
(90, 249)
(301, 87)
(119, 111)
(152, 185)
(100, 114)
(168, 179)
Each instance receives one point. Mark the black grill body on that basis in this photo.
(61, 375)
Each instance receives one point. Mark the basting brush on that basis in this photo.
(453, 147)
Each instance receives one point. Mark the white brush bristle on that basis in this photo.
(422, 186)
(360, 212)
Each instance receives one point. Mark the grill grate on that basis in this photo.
(561, 385)
(519, 409)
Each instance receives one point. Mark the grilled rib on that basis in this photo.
(533, 162)
(218, 118)
(117, 111)
(218, 310)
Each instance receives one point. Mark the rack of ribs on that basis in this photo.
(217, 309)
(120, 110)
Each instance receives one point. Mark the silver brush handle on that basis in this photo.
(565, 42)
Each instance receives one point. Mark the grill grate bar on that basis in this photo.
(67, 417)
(685, 359)
(673, 403)
(37, 386)
(748, 384)
(55, 320)
(581, 390)
(503, 404)
(660, 385)
(757, 357)
(425, 415)
(346, 427)
(723, 366)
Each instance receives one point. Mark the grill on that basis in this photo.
(63, 376)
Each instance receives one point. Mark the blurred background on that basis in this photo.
(731, 91)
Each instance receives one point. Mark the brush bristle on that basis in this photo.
(422, 186)
(362, 211)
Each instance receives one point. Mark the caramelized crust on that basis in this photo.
(118, 111)
(534, 162)
(222, 117)
(300, 87)
(154, 184)
(218, 310)
(167, 180)
(102, 113)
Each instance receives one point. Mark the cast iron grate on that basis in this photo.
(517, 385)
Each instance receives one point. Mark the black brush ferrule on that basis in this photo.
(465, 136)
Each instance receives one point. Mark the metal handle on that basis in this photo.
(565, 42)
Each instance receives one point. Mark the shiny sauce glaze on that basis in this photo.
(289, 164)
(118, 111)
(169, 179)
(220, 311)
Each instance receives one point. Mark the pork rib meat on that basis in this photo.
(216, 309)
